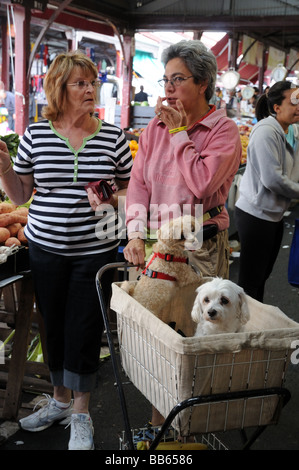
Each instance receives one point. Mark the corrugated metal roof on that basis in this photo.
(273, 21)
(214, 7)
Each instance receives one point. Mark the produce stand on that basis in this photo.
(19, 318)
(3, 114)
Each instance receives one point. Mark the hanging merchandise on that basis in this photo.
(276, 57)
(42, 48)
(46, 56)
(230, 79)
(247, 92)
(10, 21)
(92, 54)
(279, 73)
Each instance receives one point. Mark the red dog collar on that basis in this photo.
(170, 258)
(157, 275)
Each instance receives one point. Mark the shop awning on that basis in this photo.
(247, 72)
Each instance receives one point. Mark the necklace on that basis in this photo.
(206, 112)
(200, 117)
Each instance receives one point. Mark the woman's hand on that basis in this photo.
(18, 188)
(172, 117)
(120, 189)
(134, 252)
(95, 201)
(4, 157)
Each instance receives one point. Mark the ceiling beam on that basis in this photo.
(213, 23)
(153, 6)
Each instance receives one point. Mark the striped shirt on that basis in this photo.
(60, 217)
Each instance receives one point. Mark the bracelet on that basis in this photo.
(177, 129)
(7, 170)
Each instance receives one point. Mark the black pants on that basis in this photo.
(260, 243)
(66, 294)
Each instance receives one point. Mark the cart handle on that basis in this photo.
(120, 264)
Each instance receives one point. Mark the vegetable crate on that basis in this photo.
(209, 384)
(16, 263)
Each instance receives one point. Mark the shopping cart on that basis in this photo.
(202, 385)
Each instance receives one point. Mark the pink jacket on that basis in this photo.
(187, 168)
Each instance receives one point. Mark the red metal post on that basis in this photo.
(5, 54)
(22, 50)
(128, 48)
(118, 63)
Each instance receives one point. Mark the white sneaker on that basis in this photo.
(81, 432)
(46, 416)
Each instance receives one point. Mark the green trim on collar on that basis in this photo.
(76, 152)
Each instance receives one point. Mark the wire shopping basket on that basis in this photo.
(209, 384)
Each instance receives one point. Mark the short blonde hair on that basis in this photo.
(57, 77)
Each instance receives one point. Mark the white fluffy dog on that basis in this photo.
(220, 307)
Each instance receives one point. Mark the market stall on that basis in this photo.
(22, 361)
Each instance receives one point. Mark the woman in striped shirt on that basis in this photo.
(70, 234)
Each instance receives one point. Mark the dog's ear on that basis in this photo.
(245, 314)
(197, 308)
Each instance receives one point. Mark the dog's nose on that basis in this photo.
(212, 313)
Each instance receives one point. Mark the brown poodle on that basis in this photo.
(168, 268)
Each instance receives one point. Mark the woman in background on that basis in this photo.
(270, 181)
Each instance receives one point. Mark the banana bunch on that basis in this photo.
(12, 141)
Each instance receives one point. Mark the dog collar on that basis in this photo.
(170, 258)
(156, 275)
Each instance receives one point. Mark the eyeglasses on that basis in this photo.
(85, 84)
(176, 81)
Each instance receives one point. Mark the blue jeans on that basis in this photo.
(66, 294)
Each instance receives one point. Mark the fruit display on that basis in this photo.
(134, 147)
(133, 137)
(135, 132)
(244, 131)
(244, 142)
(13, 220)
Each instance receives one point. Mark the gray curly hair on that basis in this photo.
(198, 58)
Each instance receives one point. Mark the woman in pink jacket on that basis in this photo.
(188, 156)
